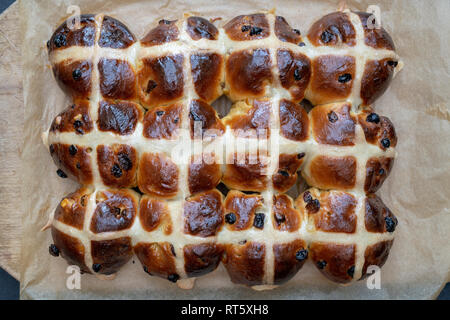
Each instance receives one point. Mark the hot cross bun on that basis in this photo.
(166, 178)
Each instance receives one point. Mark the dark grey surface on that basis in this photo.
(9, 287)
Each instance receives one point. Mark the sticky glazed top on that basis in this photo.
(136, 101)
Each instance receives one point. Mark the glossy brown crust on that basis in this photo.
(72, 208)
(203, 214)
(339, 259)
(286, 176)
(376, 132)
(158, 175)
(78, 87)
(77, 165)
(234, 28)
(295, 72)
(337, 213)
(211, 125)
(294, 121)
(286, 265)
(333, 124)
(63, 37)
(161, 80)
(158, 258)
(376, 255)
(70, 248)
(331, 30)
(111, 255)
(204, 173)
(202, 258)
(284, 32)
(375, 214)
(244, 207)
(375, 37)
(200, 28)
(333, 172)
(163, 122)
(376, 79)
(207, 73)
(377, 170)
(245, 263)
(117, 164)
(248, 72)
(117, 79)
(253, 122)
(66, 120)
(114, 34)
(285, 217)
(115, 211)
(120, 118)
(154, 213)
(326, 71)
(246, 172)
(166, 31)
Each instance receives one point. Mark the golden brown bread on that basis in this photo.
(138, 103)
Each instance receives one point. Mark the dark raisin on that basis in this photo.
(301, 44)
(381, 172)
(283, 173)
(259, 220)
(172, 249)
(255, 31)
(392, 63)
(301, 254)
(173, 277)
(300, 155)
(245, 28)
(373, 117)
(176, 120)
(61, 173)
(307, 197)
(53, 250)
(83, 200)
(386, 143)
(297, 75)
(76, 74)
(116, 171)
(159, 113)
(326, 36)
(390, 224)
(296, 31)
(321, 264)
(117, 212)
(332, 117)
(73, 150)
(60, 40)
(78, 165)
(279, 218)
(77, 124)
(150, 86)
(146, 270)
(52, 148)
(351, 271)
(230, 218)
(96, 267)
(125, 161)
(313, 206)
(346, 77)
(242, 242)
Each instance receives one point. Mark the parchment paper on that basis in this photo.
(417, 191)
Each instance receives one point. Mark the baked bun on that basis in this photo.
(139, 106)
